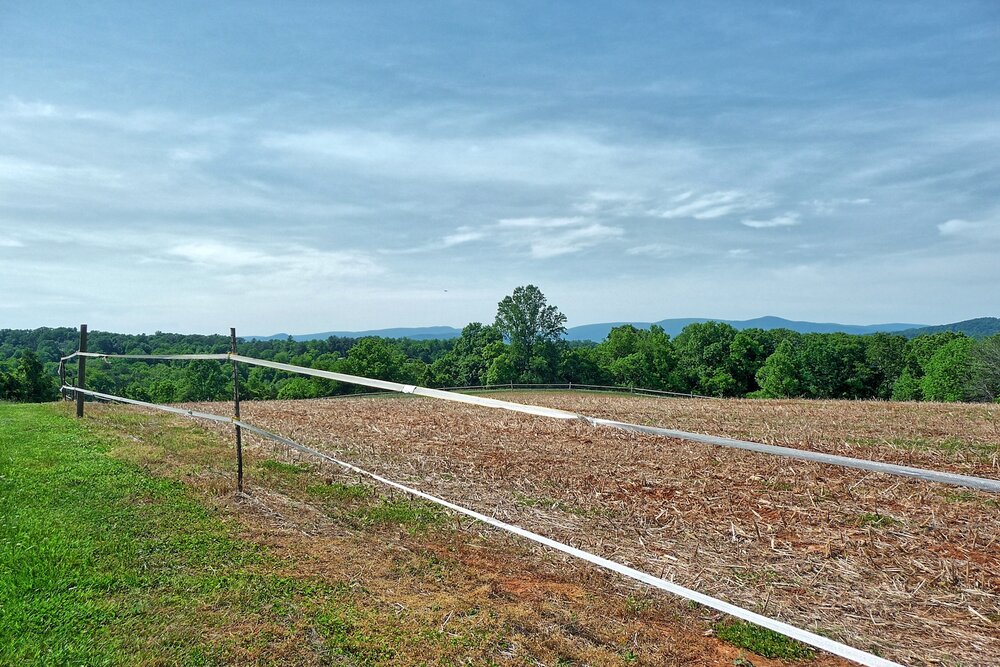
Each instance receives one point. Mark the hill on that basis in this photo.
(413, 333)
(598, 332)
(980, 327)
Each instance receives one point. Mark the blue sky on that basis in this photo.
(313, 166)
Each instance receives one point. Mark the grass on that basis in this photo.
(105, 564)
(339, 492)
(762, 641)
(876, 520)
(282, 468)
(411, 514)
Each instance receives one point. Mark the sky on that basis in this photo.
(304, 166)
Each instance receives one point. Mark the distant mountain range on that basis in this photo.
(977, 328)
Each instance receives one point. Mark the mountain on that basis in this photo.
(415, 333)
(598, 332)
(981, 327)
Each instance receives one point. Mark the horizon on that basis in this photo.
(336, 167)
(224, 331)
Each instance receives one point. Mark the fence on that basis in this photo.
(79, 391)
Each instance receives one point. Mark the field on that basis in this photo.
(907, 569)
(316, 567)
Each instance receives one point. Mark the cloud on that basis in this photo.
(539, 223)
(285, 261)
(8, 242)
(660, 250)
(461, 236)
(783, 220)
(830, 206)
(710, 205)
(544, 238)
(971, 230)
(618, 204)
(571, 240)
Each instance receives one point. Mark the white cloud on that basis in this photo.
(710, 205)
(783, 220)
(287, 261)
(539, 223)
(461, 236)
(6, 242)
(544, 238)
(974, 230)
(830, 206)
(618, 204)
(546, 245)
(659, 250)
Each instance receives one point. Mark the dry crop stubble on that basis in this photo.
(906, 568)
(446, 595)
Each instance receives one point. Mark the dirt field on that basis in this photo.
(906, 569)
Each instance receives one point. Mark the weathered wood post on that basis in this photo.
(81, 371)
(62, 379)
(236, 412)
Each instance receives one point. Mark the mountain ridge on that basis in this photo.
(673, 326)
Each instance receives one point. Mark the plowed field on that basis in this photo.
(907, 569)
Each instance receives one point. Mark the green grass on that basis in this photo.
(102, 563)
(876, 520)
(412, 514)
(282, 468)
(762, 641)
(338, 491)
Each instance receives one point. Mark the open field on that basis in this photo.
(907, 569)
(122, 543)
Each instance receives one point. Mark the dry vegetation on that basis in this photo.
(906, 569)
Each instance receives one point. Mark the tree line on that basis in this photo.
(525, 344)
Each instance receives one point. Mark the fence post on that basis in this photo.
(236, 412)
(81, 371)
(62, 379)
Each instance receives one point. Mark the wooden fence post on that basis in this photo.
(62, 379)
(81, 371)
(236, 412)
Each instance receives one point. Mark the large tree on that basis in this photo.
(533, 327)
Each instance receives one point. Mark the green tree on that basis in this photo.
(885, 357)
(985, 370)
(948, 373)
(906, 387)
(747, 353)
(205, 381)
(702, 354)
(833, 366)
(533, 328)
(31, 384)
(780, 376)
(376, 358)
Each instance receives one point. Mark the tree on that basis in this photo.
(205, 381)
(885, 356)
(702, 353)
(947, 374)
(780, 377)
(377, 358)
(31, 384)
(985, 369)
(533, 328)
